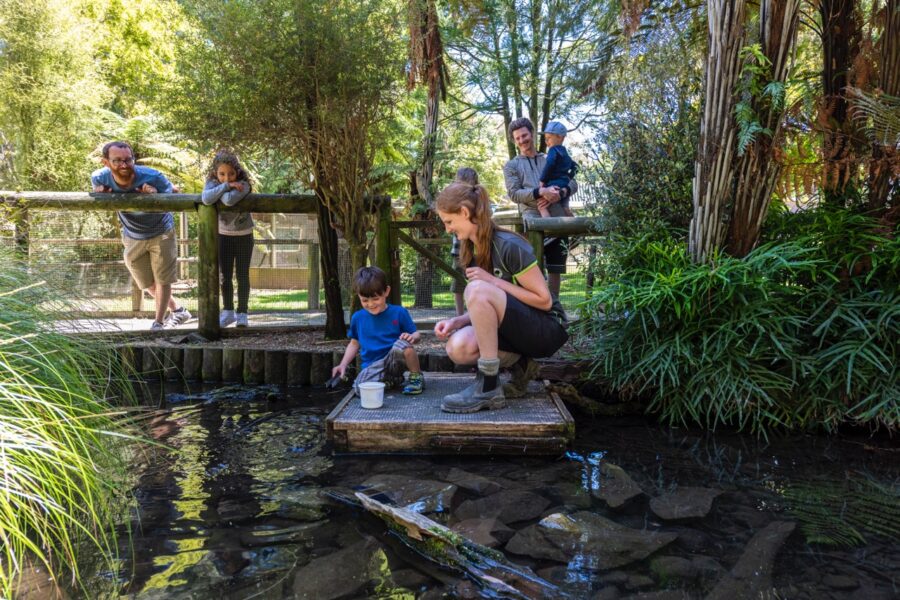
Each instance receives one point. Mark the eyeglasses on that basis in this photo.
(118, 162)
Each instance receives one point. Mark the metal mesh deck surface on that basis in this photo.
(400, 411)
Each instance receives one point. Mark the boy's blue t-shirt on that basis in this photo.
(139, 225)
(377, 333)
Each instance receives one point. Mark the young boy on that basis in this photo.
(382, 334)
(559, 169)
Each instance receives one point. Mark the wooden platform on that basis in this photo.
(539, 423)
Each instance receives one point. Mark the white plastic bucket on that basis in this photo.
(371, 394)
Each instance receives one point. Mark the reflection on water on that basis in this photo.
(234, 508)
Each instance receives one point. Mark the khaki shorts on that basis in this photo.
(152, 260)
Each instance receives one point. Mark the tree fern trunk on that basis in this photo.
(889, 79)
(714, 166)
(841, 34)
(757, 170)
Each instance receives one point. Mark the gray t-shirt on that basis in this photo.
(511, 255)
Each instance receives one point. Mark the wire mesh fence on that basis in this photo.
(81, 253)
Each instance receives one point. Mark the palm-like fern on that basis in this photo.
(879, 116)
(838, 513)
(154, 148)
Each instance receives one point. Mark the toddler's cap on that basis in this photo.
(555, 127)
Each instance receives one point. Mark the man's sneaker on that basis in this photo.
(242, 319)
(525, 370)
(157, 326)
(178, 317)
(226, 318)
(414, 385)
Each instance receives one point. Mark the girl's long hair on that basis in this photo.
(226, 157)
(474, 197)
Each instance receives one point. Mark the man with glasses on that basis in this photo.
(149, 237)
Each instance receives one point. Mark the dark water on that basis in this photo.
(239, 510)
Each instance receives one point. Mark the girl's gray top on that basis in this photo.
(230, 223)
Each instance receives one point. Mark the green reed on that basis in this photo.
(63, 441)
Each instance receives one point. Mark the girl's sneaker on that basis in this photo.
(226, 318)
(414, 385)
(242, 319)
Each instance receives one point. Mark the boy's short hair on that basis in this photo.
(369, 282)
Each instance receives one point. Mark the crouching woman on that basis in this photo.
(509, 306)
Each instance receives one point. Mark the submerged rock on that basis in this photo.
(473, 483)
(684, 503)
(338, 575)
(751, 577)
(230, 393)
(600, 543)
(419, 495)
(616, 487)
(509, 506)
(487, 532)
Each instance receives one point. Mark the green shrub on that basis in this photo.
(62, 449)
(797, 333)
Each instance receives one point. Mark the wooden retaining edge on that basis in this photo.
(242, 365)
(292, 368)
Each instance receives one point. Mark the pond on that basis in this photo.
(245, 504)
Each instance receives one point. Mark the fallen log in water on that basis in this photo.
(487, 568)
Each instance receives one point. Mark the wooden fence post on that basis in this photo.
(536, 238)
(312, 298)
(208, 271)
(383, 240)
(22, 233)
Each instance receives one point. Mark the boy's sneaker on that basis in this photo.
(226, 318)
(178, 317)
(242, 319)
(157, 326)
(414, 385)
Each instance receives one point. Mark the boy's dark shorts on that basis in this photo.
(529, 331)
(555, 254)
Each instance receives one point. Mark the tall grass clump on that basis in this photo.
(803, 331)
(62, 444)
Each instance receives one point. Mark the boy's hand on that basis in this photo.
(412, 338)
(339, 370)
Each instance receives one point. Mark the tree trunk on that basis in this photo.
(504, 93)
(714, 166)
(328, 246)
(425, 173)
(757, 169)
(841, 34)
(512, 23)
(885, 154)
(548, 81)
(534, 75)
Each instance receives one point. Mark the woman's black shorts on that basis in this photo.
(530, 331)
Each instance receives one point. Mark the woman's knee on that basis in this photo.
(480, 291)
(460, 349)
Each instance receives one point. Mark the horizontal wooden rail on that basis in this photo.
(258, 203)
(561, 225)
